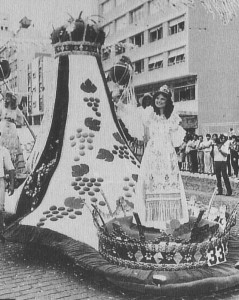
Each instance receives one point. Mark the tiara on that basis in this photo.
(164, 89)
(78, 36)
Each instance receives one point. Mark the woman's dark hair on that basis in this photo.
(12, 102)
(168, 107)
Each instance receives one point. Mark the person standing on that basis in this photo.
(194, 154)
(182, 154)
(189, 148)
(159, 192)
(208, 159)
(220, 153)
(234, 148)
(5, 164)
(200, 154)
(10, 116)
(228, 141)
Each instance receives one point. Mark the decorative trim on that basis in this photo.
(77, 48)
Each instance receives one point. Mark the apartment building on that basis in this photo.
(182, 47)
(25, 45)
(40, 74)
(5, 32)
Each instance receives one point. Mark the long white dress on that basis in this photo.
(159, 195)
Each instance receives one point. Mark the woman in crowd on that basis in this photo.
(208, 159)
(9, 137)
(160, 195)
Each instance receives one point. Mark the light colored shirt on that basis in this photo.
(199, 145)
(189, 146)
(218, 155)
(5, 161)
(207, 146)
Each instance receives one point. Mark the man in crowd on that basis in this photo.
(234, 149)
(200, 154)
(220, 153)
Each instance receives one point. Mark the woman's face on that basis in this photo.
(160, 101)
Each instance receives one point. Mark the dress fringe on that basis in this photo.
(163, 210)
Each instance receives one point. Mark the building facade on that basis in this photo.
(5, 32)
(25, 45)
(177, 46)
(39, 80)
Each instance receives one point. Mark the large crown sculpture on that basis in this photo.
(84, 36)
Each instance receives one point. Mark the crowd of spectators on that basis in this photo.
(196, 153)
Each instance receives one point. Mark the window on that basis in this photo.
(176, 25)
(120, 23)
(139, 66)
(155, 34)
(155, 62)
(176, 56)
(138, 39)
(107, 6)
(136, 15)
(184, 93)
(120, 48)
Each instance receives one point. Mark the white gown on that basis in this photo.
(159, 195)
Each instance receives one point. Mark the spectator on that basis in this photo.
(228, 142)
(189, 148)
(200, 154)
(146, 100)
(182, 155)
(234, 149)
(193, 154)
(231, 132)
(208, 158)
(220, 152)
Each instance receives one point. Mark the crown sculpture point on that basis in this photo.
(78, 32)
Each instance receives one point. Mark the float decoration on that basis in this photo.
(79, 196)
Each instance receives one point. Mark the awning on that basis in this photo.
(176, 21)
(156, 58)
(176, 52)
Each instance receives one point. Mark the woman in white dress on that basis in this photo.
(159, 195)
(9, 137)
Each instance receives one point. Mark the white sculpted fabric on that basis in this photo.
(160, 195)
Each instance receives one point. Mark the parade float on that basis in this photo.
(79, 195)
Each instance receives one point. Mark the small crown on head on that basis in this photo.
(164, 89)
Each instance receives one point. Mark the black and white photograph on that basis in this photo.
(119, 149)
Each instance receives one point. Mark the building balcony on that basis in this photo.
(161, 74)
